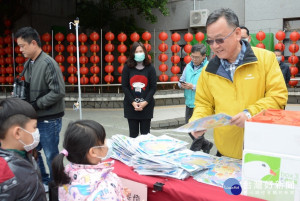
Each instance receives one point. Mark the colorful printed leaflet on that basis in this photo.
(223, 169)
(205, 123)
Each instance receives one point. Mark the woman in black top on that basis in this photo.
(139, 86)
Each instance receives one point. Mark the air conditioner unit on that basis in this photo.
(198, 17)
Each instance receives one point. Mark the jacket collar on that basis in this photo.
(215, 63)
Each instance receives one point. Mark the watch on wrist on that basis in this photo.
(247, 113)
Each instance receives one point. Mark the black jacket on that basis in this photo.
(19, 178)
(285, 72)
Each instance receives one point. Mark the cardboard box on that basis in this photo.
(271, 156)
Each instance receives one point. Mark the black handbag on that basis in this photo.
(21, 87)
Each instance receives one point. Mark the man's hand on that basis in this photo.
(143, 104)
(137, 106)
(197, 134)
(187, 85)
(239, 119)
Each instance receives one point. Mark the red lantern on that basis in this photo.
(71, 38)
(17, 50)
(122, 48)
(94, 59)
(95, 69)
(187, 59)
(174, 78)
(72, 79)
(109, 58)
(134, 37)
(94, 79)
(71, 59)
(20, 59)
(293, 59)
(122, 37)
(163, 67)
(84, 80)
(260, 45)
(19, 69)
(2, 61)
(175, 37)
(146, 36)
(148, 47)
(71, 48)
(122, 59)
(175, 48)
(120, 69)
(109, 78)
(120, 79)
(47, 48)
(82, 38)
(2, 51)
(9, 70)
(294, 48)
(175, 59)
(293, 82)
(59, 47)
(163, 57)
(72, 70)
(94, 48)
(199, 37)
(2, 70)
(294, 36)
(109, 47)
(62, 68)
(188, 48)
(83, 59)
(46, 37)
(163, 36)
(84, 70)
(279, 46)
(260, 36)
(2, 79)
(163, 47)
(188, 37)
(59, 58)
(9, 60)
(8, 39)
(59, 37)
(280, 35)
(294, 70)
(109, 69)
(8, 50)
(83, 49)
(10, 79)
(163, 78)
(175, 69)
(109, 36)
(94, 36)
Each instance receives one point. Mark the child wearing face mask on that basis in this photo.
(87, 176)
(19, 174)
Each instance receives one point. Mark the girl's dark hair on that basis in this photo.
(131, 63)
(79, 137)
(14, 111)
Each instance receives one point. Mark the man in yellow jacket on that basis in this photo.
(240, 81)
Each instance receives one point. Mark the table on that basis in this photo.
(176, 190)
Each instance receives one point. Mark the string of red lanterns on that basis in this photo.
(109, 58)
(2, 61)
(163, 36)
(71, 48)
(122, 58)
(188, 37)
(293, 59)
(94, 58)
(59, 37)
(83, 59)
(175, 48)
(46, 37)
(260, 36)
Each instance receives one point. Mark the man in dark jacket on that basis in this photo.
(284, 67)
(47, 91)
(19, 173)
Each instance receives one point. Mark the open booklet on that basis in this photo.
(212, 121)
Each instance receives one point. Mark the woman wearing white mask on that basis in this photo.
(87, 176)
(139, 86)
(19, 173)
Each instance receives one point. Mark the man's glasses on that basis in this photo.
(219, 40)
(195, 57)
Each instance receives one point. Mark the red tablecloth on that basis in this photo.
(175, 189)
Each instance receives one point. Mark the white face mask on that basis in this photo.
(278, 58)
(109, 150)
(246, 39)
(36, 140)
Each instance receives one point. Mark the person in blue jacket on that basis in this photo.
(188, 82)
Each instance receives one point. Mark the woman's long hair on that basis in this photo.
(131, 63)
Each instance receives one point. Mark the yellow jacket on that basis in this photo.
(257, 84)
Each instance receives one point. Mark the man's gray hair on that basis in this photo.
(199, 48)
(227, 13)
